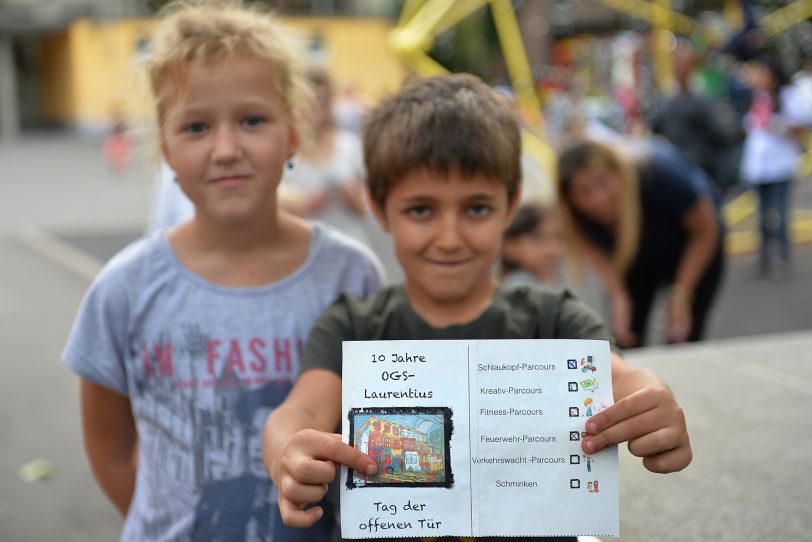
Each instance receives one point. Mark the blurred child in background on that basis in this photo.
(533, 247)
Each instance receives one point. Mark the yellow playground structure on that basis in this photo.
(421, 21)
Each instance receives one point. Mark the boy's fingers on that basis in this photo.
(294, 515)
(658, 442)
(672, 461)
(302, 493)
(625, 430)
(310, 471)
(335, 450)
(636, 403)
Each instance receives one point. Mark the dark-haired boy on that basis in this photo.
(442, 160)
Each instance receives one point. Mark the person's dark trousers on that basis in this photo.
(773, 208)
(643, 286)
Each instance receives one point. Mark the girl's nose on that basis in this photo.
(226, 147)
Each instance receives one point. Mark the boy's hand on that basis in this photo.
(306, 467)
(653, 424)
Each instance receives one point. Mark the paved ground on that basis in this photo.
(61, 212)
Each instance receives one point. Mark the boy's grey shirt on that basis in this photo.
(516, 312)
(202, 366)
(526, 311)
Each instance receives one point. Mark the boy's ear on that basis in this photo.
(510, 249)
(377, 212)
(513, 207)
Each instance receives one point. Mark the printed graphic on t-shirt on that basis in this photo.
(202, 402)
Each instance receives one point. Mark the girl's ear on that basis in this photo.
(377, 212)
(293, 142)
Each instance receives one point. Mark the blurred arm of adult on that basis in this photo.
(702, 226)
(620, 304)
(111, 441)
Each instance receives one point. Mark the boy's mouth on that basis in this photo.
(449, 263)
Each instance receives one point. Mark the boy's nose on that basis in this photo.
(226, 147)
(449, 235)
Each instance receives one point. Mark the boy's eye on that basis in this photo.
(254, 120)
(479, 210)
(419, 211)
(196, 127)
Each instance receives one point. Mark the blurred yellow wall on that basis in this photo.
(89, 71)
(357, 52)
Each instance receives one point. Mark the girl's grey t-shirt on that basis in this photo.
(203, 365)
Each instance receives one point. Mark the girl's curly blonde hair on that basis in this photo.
(211, 30)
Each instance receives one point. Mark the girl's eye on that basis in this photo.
(479, 210)
(419, 211)
(253, 121)
(196, 127)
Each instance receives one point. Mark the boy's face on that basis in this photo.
(227, 139)
(447, 232)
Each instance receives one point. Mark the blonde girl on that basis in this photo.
(191, 336)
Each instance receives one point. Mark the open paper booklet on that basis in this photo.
(477, 438)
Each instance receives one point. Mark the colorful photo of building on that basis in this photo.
(410, 446)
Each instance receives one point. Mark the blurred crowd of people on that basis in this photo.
(636, 202)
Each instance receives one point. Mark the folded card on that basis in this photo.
(477, 438)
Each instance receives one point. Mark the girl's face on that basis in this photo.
(759, 77)
(595, 192)
(227, 135)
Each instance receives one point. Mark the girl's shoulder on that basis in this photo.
(332, 245)
(142, 256)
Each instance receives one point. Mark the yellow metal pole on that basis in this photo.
(521, 75)
(417, 35)
(732, 11)
(786, 17)
(662, 39)
(434, 17)
(410, 8)
(649, 11)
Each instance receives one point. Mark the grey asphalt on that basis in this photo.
(745, 391)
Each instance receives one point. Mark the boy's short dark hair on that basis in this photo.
(443, 123)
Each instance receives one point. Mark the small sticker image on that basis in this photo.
(591, 407)
(572, 386)
(575, 483)
(575, 459)
(588, 403)
(588, 461)
(410, 445)
(587, 365)
(572, 364)
(574, 412)
(590, 384)
(575, 436)
(592, 487)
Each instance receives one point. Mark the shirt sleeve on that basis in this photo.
(577, 320)
(323, 349)
(97, 345)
